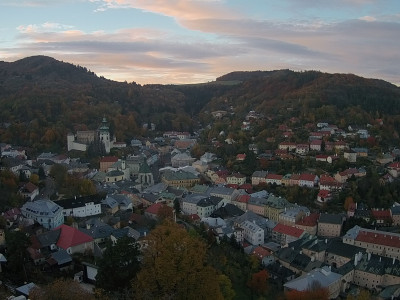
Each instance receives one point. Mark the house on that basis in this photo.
(189, 203)
(308, 223)
(330, 225)
(316, 145)
(292, 214)
(206, 206)
(45, 212)
(228, 194)
(110, 205)
(284, 234)
(274, 206)
(258, 177)
(264, 255)
(73, 240)
(181, 160)
(84, 206)
(179, 178)
(288, 146)
(308, 180)
(253, 233)
(106, 162)
(324, 196)
(329, 183)
(274, 179)
(29, 191)
(236, 178)
(395, 213)
(257, 205)
(383, 217)
(241, 157)
(324, 278)
(98, 230)
(394, 169)
(302, 149)
(153, 211)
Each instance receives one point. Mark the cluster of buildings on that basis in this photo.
(297, 246)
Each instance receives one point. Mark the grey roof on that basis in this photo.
(61, 257)
(194, 198)
(252, 217)
(221, 190)
(42, 207)
(227, 211)
(98, 230)
(110, 202)
(209, 201)
(49, 238)
(24, 289)
(379, 265)
(346, 250)
(324, 276)
(330, 219)
(150, 197)
(352, 232)
(395, 210)
(156, 189)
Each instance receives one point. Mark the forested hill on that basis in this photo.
(42, 99)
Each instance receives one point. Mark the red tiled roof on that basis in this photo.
(307, 177)
(394, 165)
(310, 220)
(274, 176)
(109, 159)
(154, 208)
(243, 198)
(70, 236)
(30, 187)
(326, 178)
(194, 217)
(316, 142)
(324, 193)
(261, 252)
(378, 238)
(295, 177)
(288, 230)
(233, 186)
(381, 214)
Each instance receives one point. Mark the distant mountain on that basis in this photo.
(42, 99)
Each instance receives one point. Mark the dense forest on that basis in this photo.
(42, 99)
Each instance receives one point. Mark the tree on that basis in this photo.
(17, 242)
(59, 173)
(61, 289)
(119, 265)
(348, 201)
(174, 267)
(34, 179)
(177, 207)
(259, 282)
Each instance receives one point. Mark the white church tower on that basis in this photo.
(104, 135)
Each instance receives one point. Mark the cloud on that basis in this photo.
(177, 9)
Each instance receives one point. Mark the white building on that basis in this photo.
(81, 206)
(253, 233)
(45, 212)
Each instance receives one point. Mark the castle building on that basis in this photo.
(82, 139)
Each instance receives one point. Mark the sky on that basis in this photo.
(192, 41)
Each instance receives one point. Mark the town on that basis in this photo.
(305, 227)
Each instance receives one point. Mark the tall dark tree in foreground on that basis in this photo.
(118, 266)
(174, 267)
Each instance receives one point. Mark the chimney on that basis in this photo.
(356, 260)
(394, 260)
(369, 256)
